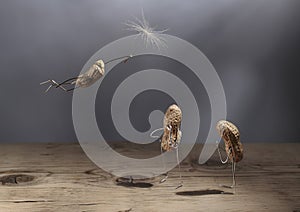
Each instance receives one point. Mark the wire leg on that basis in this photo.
(71, 89)
(42, 83)
(178, 163)
(233, 174)
(48, 88)
(161, 152)
(233, 177)
(163, 161)
(52, 84)
(67, 81)
(62, 88)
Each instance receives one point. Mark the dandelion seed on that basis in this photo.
(149, 35)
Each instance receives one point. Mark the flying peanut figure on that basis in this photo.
(93, 74)
(233, 146)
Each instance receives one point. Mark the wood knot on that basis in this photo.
(16, 179)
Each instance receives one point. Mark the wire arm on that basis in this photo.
(225, 161)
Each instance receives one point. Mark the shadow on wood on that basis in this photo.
(202, 192)
(129, 182)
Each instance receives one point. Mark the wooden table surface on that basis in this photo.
(60, 177)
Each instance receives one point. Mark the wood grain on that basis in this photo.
(59, 177)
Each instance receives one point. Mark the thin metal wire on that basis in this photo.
(180, 177)
(164, 163)
(73, 79)
(154, 131)
(53, 83)
(161, 152)
(163, 159)
(233, 174)
(221, 155)
(232, 169)
(119, 58)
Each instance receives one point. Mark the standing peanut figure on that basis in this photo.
(233, 146)
(172, 134)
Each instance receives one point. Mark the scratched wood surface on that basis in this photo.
(59, 177)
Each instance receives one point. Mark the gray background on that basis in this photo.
(253, 45)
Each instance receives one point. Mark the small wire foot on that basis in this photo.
(130, 180)
(226, 186)
(164, 179)
(179, 186)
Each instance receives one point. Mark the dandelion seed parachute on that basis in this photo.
(149, 35)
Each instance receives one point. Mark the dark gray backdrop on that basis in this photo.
(253, 45)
